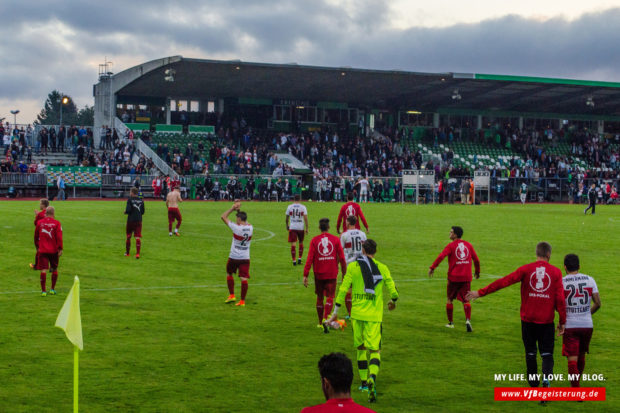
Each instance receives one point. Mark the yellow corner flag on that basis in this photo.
(69, 319)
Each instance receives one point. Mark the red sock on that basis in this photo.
(573, 369)
(43, 279)
(347, 302)
(449, 308)
(231, 284)
(54, 278)
(138, 245)
(179, 221)
(169, 226)
(293, 252)
(127, 244)
(329, 304)
(467, 308)
(244, 289)
(581, 363)
(319, 307)
(301, 249)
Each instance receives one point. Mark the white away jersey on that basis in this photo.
(364, 185)
(351, 241)
(242, 236)
(296, 213)
(578, 291)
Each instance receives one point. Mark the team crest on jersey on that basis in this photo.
(350, 210)
(540, 280)
(462, 252)
(326, 247)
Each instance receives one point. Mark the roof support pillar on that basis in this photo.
(168, 110)
(435, 120)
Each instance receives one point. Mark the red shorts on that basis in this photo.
(174, 213)
(295, 234)
(576, 341)
(458, 290)
(242, 265)
(134, 228)
(326, 288)
(46, 261)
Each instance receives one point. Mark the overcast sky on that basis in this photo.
(49, 44)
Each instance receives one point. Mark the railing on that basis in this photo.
(22, 180)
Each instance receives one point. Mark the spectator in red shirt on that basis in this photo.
(48, 241)
(336, 372)
(351, 208)
(542, 293)
(460, 256)
(324, 256)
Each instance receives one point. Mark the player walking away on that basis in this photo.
(38, 216)
(364, 185)
(351, 241)
(336, 372)
(582, 300)
(297, 227)
(351, 208)
(523, 193)
(172, 202)
(134, 211)
(367, 277)
(460, 256)
(48, 241)
(542, 293)
(592, 199)
(324, 256)
(239, 258)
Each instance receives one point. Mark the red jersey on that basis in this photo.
(338, 406)
(39, 217)
(542, 291)
(348, 209)
(48, 236)
(324, 255)
(460, 255)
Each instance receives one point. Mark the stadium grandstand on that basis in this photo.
(315, 130)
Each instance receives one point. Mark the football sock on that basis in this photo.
(581, 363)
(170, 226)
(574, 370)
(178, 222)
(138, 245)
(54, 278)
(293, 252)
(467, 308)
(301, 249)
(547, 364)
(231, 284)
(244, 289)
(319, 307)
(329, 304)
(449, 310)
(362, 364)
(347, 302)
(43, 279)
(374, 364)
(532, 369)
(127, 244)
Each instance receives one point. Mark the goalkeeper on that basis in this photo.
(367, 277)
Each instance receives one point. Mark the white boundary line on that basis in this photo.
(222, 285)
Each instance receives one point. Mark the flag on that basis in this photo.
(69, 319)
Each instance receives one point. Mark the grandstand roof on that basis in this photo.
(393, 89)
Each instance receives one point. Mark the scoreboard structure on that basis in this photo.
(419, 180)
(482, 181)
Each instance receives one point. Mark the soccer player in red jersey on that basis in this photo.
(582, 300)
(48, 241)
(239, 258)
(134, 211)
(173, 199)
(38, 216)
(324, 256)
(351, 208)
(336, 372)
(460, 256)
(297, 226)
(542, 293)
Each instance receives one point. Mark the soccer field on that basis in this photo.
(159, 338)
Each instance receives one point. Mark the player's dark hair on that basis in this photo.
(242, 216)
(297, 197)
(350, 196)
(338, 369)
(370, 247)
(324, 224)
(45, 202)
(351, 220)
(571, 262)
(458, 231)
(543, 249)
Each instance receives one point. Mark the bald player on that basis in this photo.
(172, 202)
(48, 241)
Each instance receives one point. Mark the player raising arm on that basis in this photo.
(351, 208)
(297, 226)
(239, 257)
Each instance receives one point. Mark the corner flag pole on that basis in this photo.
(76, 362)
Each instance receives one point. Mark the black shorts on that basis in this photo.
(539, 337)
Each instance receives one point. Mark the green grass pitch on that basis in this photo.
(159, 338)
